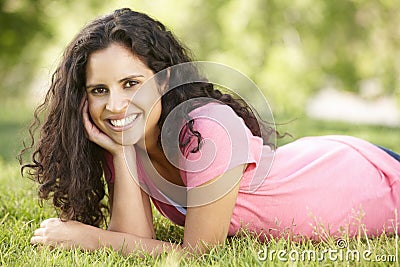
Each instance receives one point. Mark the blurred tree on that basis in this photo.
(20, 23)
(27, 29)
(290, 48)
(294, 48)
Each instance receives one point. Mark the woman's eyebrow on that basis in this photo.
(120, 81)
(94, 85)
(130, 77)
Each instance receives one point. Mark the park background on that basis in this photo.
(326, 67)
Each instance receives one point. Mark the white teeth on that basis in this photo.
(124, 121)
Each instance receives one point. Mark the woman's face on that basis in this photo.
(116, 105)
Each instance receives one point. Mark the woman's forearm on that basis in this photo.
(128, 243)
(131, 211)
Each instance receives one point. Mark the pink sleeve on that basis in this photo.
(226, 143)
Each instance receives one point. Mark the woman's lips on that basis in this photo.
(124, 123)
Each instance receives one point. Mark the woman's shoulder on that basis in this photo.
(212, 109)
(219, 121)
(226, 142)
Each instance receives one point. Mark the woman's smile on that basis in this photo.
(123, 124)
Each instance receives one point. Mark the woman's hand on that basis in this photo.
(70, 234)
(95, 135)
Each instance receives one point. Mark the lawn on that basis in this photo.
(20, 215)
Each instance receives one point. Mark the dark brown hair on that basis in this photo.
(68, 167)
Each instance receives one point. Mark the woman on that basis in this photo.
(106, 112)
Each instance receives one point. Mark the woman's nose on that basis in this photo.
(117, 102)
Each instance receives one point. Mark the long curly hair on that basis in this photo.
(68, 167)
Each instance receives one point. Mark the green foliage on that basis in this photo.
(294, 48)
(27, 30)
(22, 22)
(289, 48)
(19, 20)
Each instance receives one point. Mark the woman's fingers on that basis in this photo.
(90, 128)
(39, 232)
(84, 99)
(84, 107)
(85, 116)
(44, 223)
(41, 242)
(94, 134)
(45, 234)
(47, 221)
(36, 240)
(54, 233)
(39, 237)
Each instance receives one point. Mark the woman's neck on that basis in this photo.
(150, 146)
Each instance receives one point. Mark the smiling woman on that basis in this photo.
(122, 82)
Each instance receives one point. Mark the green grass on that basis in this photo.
(20, 215)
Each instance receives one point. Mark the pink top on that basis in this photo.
(316, 186)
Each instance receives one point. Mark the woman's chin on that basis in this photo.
(127, 141)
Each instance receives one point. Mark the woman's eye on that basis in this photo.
(130, 84)
(99, 91)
